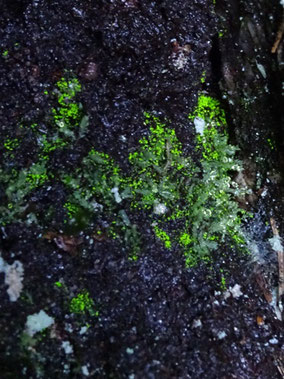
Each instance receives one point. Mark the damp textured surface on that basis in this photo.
(140, 168)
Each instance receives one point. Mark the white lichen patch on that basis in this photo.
(196, 323)
(83, 330)
(236, 291)
(200, 125)
(116, 194)
(160, 209)
(38, 322)
(233, 291)
(85, 370)
(221, 335)
(14, 275)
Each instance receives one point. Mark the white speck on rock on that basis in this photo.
(129, 351)
(221, 335)
(227, 294)
(69, 328)
(197, 323)
(83, 330)
(160, 209)
(233, 291)
(116, 194)
(68, 348)
(236, 291)
(85, 370)
(273, 341)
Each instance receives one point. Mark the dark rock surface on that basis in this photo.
(156, 318)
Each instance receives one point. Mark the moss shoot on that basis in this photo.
(189, 206)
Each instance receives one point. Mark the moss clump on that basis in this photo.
(48, 146)
(92, 188)
(163, 236)
(83, 304)
(11, 144)
(193, 203)
(68, 112)
(156, 167)
(201, 199)
(19, 184)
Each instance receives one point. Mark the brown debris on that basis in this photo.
(279, 361)
(280, 256)
(259, 320)
(66, 243)
(279, 36)
(262, 283)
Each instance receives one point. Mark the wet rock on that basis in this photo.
(89, 71)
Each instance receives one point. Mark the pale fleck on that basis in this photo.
(68, 348)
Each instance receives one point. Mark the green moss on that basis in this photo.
(155, 167)
(34, 126)
(36, 176)
(193, 203)
(11, 144)
(46, 146)
(203, 77)
(209, 109)
(271, 143)
(68, 113)
(72, 209)
(133, 241)
(92, 187)
(185, 239)
(163, 236)
(223, 283)
(83, 304)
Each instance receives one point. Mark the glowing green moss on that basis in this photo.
(11, 144)
(36, 175)
(163, 236)
(72, 209)
(155, 167)
(48, 146)
(193, 203)
(271, 143)
(83, 304)
(209, 109)
(68, 113)
(185, 239)
(203, 77)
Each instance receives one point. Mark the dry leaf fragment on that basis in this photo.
(64, 242)
(259, 320)
(68, 243)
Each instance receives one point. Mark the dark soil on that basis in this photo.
(123, 53)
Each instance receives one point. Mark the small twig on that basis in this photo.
(278, 36)
(279, 361)
(280, 255)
